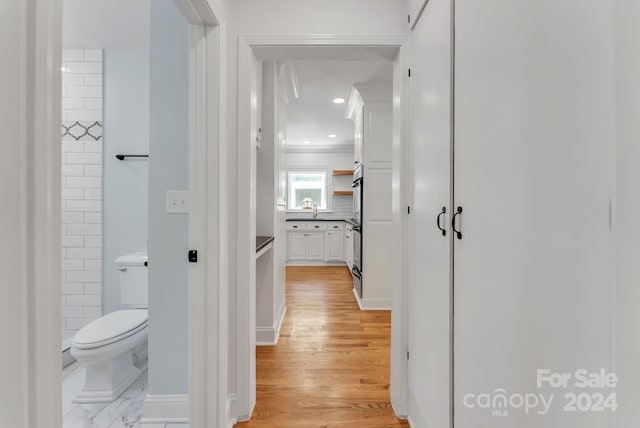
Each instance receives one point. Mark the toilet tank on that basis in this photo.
(134, 279)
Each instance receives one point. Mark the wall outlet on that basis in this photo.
(178, 201)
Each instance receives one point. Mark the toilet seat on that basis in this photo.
(111, 328)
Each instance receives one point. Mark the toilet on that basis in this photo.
(113, 348)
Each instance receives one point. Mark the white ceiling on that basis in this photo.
(106, 24)
(314, 115)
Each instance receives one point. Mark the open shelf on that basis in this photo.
(342, 172)
(343, 192)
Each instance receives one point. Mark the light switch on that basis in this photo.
(178, 201)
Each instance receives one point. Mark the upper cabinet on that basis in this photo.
(370, 108)
(415, 9)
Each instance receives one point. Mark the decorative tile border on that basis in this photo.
(82, 131)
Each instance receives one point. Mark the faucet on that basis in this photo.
(315, 210)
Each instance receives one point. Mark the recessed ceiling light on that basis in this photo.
(332, 135)
(307, 142)
(339, 100)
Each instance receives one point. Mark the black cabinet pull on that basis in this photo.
(444, 211)
(453, 223)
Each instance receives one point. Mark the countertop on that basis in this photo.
(263, 241)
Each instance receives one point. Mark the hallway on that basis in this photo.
(331, 365)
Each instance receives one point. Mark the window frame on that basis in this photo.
(310, 169)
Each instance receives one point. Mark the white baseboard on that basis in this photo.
(231, 421)
(372, 304)
(410, 422)
(164, 409)
(268, 336)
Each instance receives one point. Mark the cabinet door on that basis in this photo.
(533, 156)
(429, 251)
(315, 246)
(334, 246)
(297, 246)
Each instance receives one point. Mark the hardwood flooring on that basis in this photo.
(331, 365)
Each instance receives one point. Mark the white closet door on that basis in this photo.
(429, 250)
(533, 133)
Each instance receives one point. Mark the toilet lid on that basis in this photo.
(111, 328)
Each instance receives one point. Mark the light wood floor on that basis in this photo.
(331, 365)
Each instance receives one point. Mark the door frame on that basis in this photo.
(246, 212)
(207, 225)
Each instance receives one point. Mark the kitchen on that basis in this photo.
(334, 178)
(323, 219)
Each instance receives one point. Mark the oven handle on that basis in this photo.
(356, 272)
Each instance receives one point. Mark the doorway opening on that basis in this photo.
(321, 126)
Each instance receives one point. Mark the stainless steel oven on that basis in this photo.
(356, 270)
(357, 194)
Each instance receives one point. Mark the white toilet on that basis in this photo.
(113, 348)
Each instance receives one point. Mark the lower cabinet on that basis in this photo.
(334, 246)
(316, 242)
(306, 246)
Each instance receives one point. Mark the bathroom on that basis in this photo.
(120, 158)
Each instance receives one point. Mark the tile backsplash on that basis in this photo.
(81, 132)
(342, 208)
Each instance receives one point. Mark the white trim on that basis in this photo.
(245, 269)
(372, 304)
(164, 409)
(315, 263)
(207, 152)
(230, 421)
(268, 336)
(40, 182)
(401, 162)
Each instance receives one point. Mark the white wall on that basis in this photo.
(82, 85)
(126, 130)
(627, 210)
(115, 24)
(168, 170)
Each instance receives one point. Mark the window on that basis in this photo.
(308, 187)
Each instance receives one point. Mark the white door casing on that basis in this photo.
(208, 129)
(245, 373)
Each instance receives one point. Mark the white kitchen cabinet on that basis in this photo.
(334, 246)
(315, 246)
(297, 246)
(308, 246)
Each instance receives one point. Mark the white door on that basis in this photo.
(315, 246)
(429, 251)
(334, 245)
(297, 246)
(533, 132)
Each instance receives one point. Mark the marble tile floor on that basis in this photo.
(125, 412)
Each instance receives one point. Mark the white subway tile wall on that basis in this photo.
(342, 207)
(82, 85)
